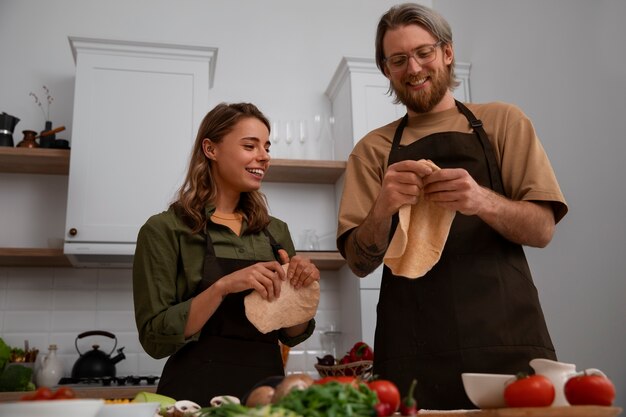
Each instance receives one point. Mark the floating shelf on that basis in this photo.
(34, 161)
(305, 171)
(56, 162)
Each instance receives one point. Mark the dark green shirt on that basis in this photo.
(167, 268)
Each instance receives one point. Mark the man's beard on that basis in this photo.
(423, 101)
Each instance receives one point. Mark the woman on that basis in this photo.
(195, 263)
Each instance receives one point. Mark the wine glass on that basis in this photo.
(289, 135)
(275, 138)
(303, 135)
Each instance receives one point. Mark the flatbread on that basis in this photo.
(418, 241)
(294, 306)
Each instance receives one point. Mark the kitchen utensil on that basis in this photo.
(486, 390)
(129, 410)
(29, 140)
(7, 127)
(96, 363)
(50, 371)
(558, 373)
(52, 408)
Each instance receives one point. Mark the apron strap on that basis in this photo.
(275, 245)
(494, 172)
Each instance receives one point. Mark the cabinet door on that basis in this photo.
(136, 110)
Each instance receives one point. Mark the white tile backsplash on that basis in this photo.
(55, 305)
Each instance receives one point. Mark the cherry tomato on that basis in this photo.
(63, 393)
(387, 393)
(589, 389)
(43, 393)
(529, 391)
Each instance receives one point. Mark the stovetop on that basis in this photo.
(107, 381)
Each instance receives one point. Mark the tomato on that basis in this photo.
(63, 393)
(529, 391)
(387, 393)
(341, 379)
(43, 393)
(589, 389)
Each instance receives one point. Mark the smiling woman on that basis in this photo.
(195, 263)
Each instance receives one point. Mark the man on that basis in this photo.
(477, 309)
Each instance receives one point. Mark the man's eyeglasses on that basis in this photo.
(422, 55)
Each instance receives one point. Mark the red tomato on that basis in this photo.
(589, 389)
(43, 393)
(64, 393)
(529, 391)
(387, 393)
(341, 379)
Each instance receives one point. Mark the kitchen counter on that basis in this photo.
(93, 391)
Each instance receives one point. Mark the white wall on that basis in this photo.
(279, 54)
(561, 61)
(564, 63)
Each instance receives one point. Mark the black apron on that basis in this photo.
(477, 309)
(231, 355)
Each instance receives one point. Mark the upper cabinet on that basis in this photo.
(137, 107)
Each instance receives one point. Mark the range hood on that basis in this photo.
(99, 255)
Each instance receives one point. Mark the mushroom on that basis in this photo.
(291, 382)
(183, 408)
(260, 396)
(224, 399)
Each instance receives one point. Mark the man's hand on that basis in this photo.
(402, 184)
(455, 189)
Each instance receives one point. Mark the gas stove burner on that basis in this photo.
(107, 381)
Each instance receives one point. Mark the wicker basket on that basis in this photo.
(360, 369)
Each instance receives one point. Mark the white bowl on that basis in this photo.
(129, 410)
(486, 390)
(52, 408)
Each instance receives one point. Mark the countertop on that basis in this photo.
(91, 391)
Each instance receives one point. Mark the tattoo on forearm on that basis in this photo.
(369, 257)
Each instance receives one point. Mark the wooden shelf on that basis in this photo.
(56, 162)
(34, 160)
(33, 257)
(305, 171)
(44, 257)
(325, 261)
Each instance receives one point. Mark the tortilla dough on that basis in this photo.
(419, 239)
(291, 308)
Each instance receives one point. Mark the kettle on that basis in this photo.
(96, 363)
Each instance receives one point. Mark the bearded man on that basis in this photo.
(475, 309)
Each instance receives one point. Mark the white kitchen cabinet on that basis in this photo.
(360, 103)
(137, 107)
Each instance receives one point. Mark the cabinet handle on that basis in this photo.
(73, 231)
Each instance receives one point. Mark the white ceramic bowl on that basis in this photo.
(486, 390)
(52, 408)
(129, 410)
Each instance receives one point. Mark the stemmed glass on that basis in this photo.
(289, 135)
(275, 139)
(303, 135)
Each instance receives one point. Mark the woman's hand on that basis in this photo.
(301, 272)
(264, 277)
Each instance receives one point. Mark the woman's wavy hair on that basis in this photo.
(199, 187)
(414, 14)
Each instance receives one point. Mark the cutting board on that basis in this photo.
(570, 411)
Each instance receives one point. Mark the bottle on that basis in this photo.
(51, 370)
